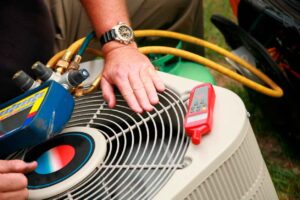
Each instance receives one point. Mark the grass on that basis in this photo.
(282, 162)
(215, 7)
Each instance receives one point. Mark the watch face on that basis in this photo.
(125, 33)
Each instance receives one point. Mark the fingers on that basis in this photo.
(108, 92)
(159, 85)
(135, 77)
(149, 86)
(19, 166)
(29, 167)
(140, 93)
(15, 195)
(137, 87)
(12, 182)
(128, 94)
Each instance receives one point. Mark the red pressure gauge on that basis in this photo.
(198, 120)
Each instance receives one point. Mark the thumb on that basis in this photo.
(16, 166)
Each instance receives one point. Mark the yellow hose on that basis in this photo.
(51, 63)
(73, 48)
(276, 91)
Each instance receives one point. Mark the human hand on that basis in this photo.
(13, 183)
(133, 74)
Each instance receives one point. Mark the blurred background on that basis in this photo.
(278, 145)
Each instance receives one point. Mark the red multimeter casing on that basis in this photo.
(198, 120)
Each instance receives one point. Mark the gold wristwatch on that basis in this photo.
(121, 33)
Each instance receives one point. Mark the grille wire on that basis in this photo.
(143, 150)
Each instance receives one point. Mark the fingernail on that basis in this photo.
(32, 163)
(149, 108)
(110, 104)
(154, 100)
(138, 110)
(162, 87)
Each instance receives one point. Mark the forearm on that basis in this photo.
(104, 14)
(125, 67)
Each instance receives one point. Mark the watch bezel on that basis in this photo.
(120, 37)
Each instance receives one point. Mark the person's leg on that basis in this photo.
(173, 15)
(26, 36)
(71, 21)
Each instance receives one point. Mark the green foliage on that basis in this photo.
(287, 182)
(283, 166)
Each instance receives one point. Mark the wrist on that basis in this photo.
(112, 45)
(122, 33)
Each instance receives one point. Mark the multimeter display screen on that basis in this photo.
(199, 102)
(14, 121)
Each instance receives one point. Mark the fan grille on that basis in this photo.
(143, 150)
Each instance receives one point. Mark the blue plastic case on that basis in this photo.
(34, 116)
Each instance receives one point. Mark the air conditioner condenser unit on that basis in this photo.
(118, 154)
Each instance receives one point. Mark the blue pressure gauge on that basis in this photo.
(34, 116)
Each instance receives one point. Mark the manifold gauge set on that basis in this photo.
(41, 111)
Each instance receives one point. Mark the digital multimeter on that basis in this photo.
(34, 116)
(198, 120)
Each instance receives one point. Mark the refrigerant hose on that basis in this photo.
(273, 91)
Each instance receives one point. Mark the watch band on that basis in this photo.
(108, 36)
